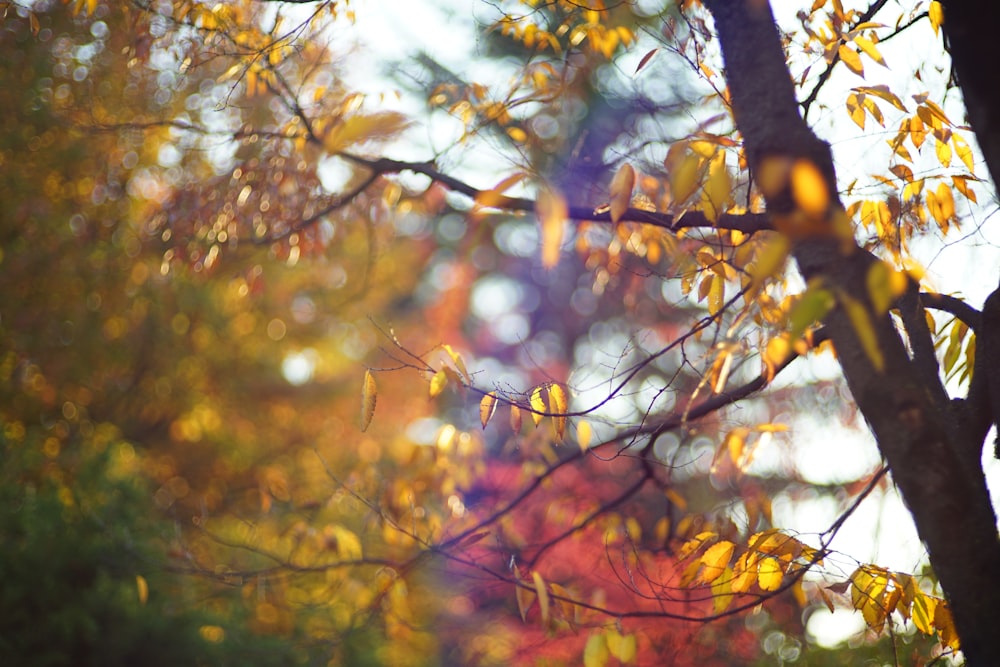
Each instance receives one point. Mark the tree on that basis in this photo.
(229, 226)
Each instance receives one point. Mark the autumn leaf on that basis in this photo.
(369, 393)
(620, 192)
(851, 59)
(718, 187)
(438, 383)
(559, 405)
(684, 179)
(769, 574)
(583, 434)
(870, 50)
(595, 652)
(864, 328)
(487, 406)
(645, 60)
(715, 560)
(621, 647)
(378, 126)
(936, 15)
(552, 212)
(142, 588)
(809, 188)
(537, 404)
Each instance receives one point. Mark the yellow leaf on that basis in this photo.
(142, 588)
(358, 129)
(851, 59)
(517, 134)
(515, 418)
(716, 294)
(494, 196)
(487, 406)
(917, 131)
(369, 393)
(883, 92)
(715, 560)
(946, 201)
(943, 151)
(559, 404)
(923, 611)
(855, 110)
(722, 592)
(438, 383)
(936, 14)
(809, 188)
(777, 351)
(769, 574)
(734, 443)
(525, 598)
(595, 653)
(684, 179)
(583, 434)
(863, 327)
(962, 185)
(870, 50)
(543, 596)
(964, 152)
(717, 187)
(537, 405)
(946, 626)
(620, 193)
(879, 287)
(552, 213)
(457, 360)
(622, 647)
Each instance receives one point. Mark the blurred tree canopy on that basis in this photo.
(508, 350)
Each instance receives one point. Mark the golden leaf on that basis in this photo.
(438, 383)
(943, 151)
(142, 588)
(622, 647)
(457, 360)
(515, 418)
(369, 393)
(559, 404)
(525, 598)
(684, 179)
(923, 612)
(487, 406)
(595, 653)
(946, 626)
(936, 15)
(358, 129)
(716, 294)
(882, 92)
(583, 434)
(543, 596)
(809, 188)
(537, 405)
(494, 196)
(552, 213)
(715, 560)
(870, 50)
(851, 59)
(717, 187)
(620, 192)
(769, 574)
(964, 152)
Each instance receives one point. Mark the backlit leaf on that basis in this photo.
(620, 193)
(456, 359)
(438, 383)
(715, 560)
(945, 625)
(369, 393)
(870, 50)
(543, 596)
(882, 92)
(716, 294)
(922, 612)
(552, 212)
(515, 418)
(769, 574)
(537, 404)
(809, 189)
(943, 151)
(487, 406)
(936, 15)
(964, 152)
(495, 196)
(595, 653)
(684, 179)
(142, 588)
(622, 647)
(558, 404)
(718, 186)
(851, 59)
(525, 598)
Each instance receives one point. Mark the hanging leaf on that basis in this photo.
(870, 50)
(369, 393)
(943, 151)
(558, 404)
(809, 188)
(595, 653)
(882, 92)
(620, 194)
(964, 152)
(438, 383)
(851, 59)
(769, 574)
(718, 187)
(644, 61)
(684, 179)
(552, 212)
(525, 598)
(622, 647)
(457, 360)
(487, 406)
(142, 588)
(543, 596)
(584, 432)
(515, 418)
(936, 15)
(537, 405)
(715, 560)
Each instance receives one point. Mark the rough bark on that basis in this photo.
(933, 465)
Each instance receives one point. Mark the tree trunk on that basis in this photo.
(933, 462)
